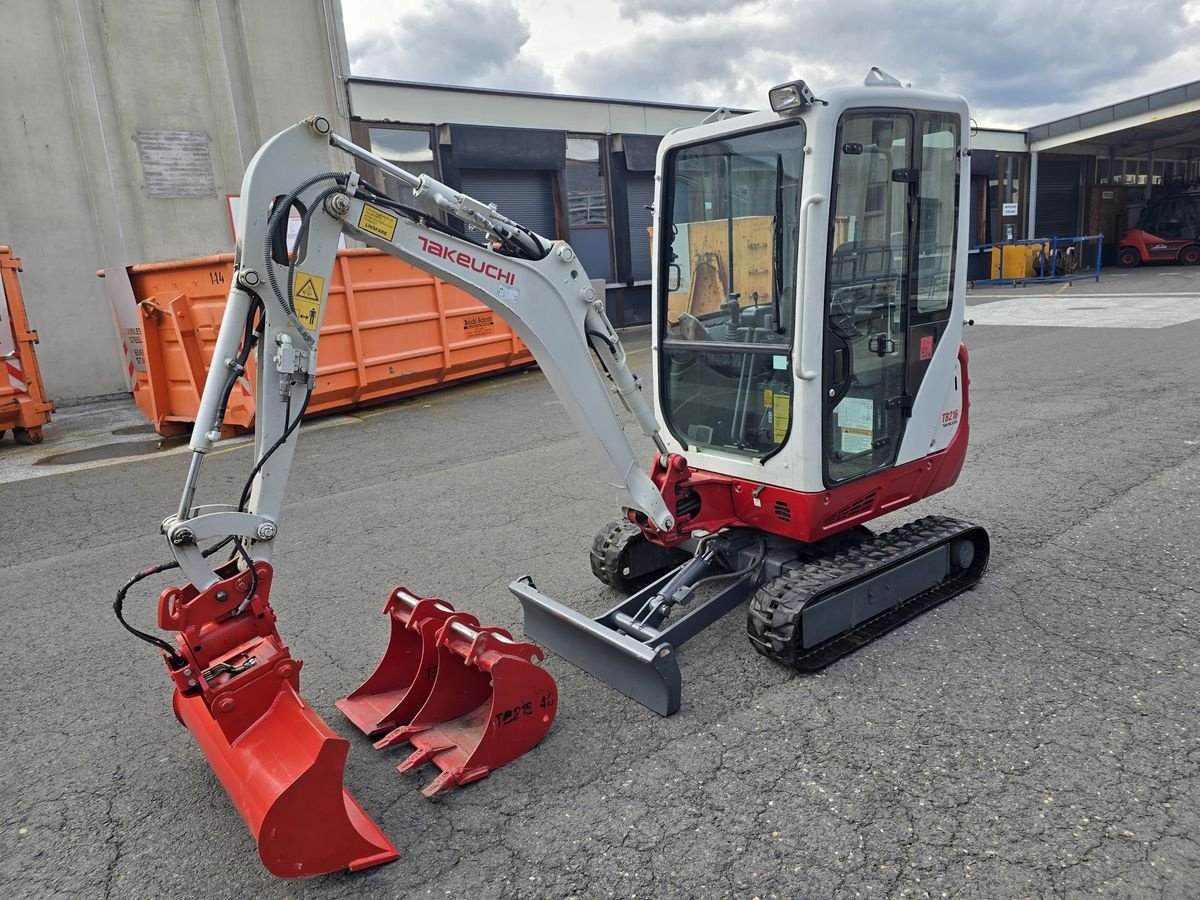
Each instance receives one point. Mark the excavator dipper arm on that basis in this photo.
(536, 285)
(236, 684)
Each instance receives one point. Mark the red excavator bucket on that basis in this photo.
(238, 694)
(488, 702)
(398, 687)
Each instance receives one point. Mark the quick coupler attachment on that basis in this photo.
(629, 648)
(238, 693)
(468, 698)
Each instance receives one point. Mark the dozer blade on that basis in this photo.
(648, 674)
(281, 765)
(626, 648)
(400, 684)
(490, 703)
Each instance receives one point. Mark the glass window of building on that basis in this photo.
(409, 148)
(587, 197)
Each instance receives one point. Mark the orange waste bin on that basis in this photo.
(23, 405)
(390, 330)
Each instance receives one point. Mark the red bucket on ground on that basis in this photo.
(400, 684)
(488, 702)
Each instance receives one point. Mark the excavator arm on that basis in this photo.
(536, 285)
(469, 698)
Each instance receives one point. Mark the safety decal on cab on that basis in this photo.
(307, 293)
(377, 222)
(781, 416)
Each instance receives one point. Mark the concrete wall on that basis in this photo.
(999, 139)
(81, 79)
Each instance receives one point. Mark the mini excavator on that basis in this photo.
(809, 376)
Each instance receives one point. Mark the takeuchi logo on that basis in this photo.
(467, 260)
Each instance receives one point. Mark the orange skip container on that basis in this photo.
(23, 404)
(390, 330)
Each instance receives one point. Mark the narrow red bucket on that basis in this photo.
(490, 703)
(238, 694)
(401, 682)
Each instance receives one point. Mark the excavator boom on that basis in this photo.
(536, 285)
(467, 697)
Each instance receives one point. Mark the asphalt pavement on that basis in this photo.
(1036, 737)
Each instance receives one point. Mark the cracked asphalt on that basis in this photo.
(1036, 737)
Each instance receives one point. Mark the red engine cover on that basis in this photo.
(726, 502)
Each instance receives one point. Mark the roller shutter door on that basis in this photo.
(1057, 198)
(641, 194)
(523, 196)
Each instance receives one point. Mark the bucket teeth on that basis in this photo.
(449, 779)
(443, 782)
(483, 700)
(422, 756)
(399, 736)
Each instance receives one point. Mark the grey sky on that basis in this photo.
(1018, 63)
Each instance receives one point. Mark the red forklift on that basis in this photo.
(1168, 229)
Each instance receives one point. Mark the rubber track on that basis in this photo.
(607, 547)
(775, 608)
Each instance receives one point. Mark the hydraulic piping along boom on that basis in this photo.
(236, 683)
(536, 285)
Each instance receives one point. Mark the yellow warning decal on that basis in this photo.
(781, 415)
(377, 222)
(307, 293)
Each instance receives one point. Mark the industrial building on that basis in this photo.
(148, 136)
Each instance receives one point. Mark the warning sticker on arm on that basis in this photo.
(377, 222)
(308, 293)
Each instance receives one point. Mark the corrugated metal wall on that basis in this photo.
(524, 196)
(641, 195)
(1058, 197)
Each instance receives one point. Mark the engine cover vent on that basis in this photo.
(861, 505)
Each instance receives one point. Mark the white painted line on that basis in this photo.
(1083, 294)
(1091, 311)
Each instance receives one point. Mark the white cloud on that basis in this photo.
(1018, 63)
(465, 42)
(683, 9)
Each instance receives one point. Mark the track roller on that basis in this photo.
(623, 558)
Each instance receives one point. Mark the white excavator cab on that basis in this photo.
(809, 296)
(805, 286)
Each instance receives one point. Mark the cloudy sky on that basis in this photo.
(1019, 63)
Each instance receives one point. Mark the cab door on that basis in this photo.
(867, 293)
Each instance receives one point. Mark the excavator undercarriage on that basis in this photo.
(809, 604)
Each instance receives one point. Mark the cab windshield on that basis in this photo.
(728, 289)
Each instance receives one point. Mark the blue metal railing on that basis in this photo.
(1056, 259)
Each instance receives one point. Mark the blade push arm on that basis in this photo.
(277, 300)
